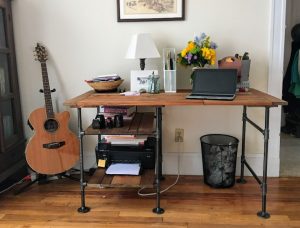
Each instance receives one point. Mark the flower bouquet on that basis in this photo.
(198, 53)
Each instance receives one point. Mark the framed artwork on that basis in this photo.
(150, 10)
(139, 79)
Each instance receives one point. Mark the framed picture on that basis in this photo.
(150, 10)
(139, 79)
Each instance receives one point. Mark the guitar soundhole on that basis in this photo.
(51, 125)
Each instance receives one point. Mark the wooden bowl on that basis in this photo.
(105, 86)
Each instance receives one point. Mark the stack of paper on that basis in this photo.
(124, 169)
(105, 78)
(121, 140)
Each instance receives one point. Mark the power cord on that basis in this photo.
(166, 189)
(19, 182)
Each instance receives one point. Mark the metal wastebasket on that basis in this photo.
(219, 154)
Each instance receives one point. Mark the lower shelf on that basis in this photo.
(100, 180)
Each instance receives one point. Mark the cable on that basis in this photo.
(19, 182)
(166, 189)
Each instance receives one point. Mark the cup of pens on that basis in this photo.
(153, 83)
(169, 69)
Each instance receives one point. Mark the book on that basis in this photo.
(125, 110)
(125, 117)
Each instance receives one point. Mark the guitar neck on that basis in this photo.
(47, 91)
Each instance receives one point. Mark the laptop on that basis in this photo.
(214, 84)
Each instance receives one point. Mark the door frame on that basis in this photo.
(276, 67)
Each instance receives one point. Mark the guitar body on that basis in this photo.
(53, 148)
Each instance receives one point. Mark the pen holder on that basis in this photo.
(169, 63)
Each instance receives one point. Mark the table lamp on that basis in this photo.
(142, 47)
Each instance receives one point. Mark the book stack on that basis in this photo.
(111, 111)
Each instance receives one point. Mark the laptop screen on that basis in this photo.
(215, 81)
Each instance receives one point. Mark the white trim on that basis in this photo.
(191, 164)
(277, 41)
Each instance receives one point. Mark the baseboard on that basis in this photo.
(191, 164)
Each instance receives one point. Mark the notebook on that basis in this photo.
(214, 84)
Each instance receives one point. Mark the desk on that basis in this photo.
(252, 98)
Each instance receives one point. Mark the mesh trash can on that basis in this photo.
(219, 154)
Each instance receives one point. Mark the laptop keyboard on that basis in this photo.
(211, 97)
(207, 95)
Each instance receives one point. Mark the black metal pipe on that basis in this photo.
(253, 173)
(158, 209)
(242, 179)
(263, 213)
(255, 125)
(160, 144)
(83, 208)
(98, 111)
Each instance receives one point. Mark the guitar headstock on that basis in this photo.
(40, 53)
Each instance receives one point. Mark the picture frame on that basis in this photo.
(139, 79)
(150, 10)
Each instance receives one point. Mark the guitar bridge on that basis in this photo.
(54, 145)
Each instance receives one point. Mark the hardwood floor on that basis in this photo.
(189, 204)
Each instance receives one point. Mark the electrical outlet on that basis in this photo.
(179, 135)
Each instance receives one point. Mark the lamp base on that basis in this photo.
(142, 64)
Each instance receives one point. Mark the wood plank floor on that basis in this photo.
(189, 204)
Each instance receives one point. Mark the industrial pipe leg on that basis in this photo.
(160, 146)
(158, 209)
(263, 213)
(83, 208)
(242, 179)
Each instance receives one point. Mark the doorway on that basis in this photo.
(289, 139)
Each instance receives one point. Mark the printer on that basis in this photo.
(142, 153)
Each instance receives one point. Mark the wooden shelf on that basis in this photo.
(140, 124)
(100, 180)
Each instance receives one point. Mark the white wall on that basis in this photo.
(84, 39)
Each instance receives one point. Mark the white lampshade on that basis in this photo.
(142, 47)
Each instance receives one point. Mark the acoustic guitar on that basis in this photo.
(53, 148)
